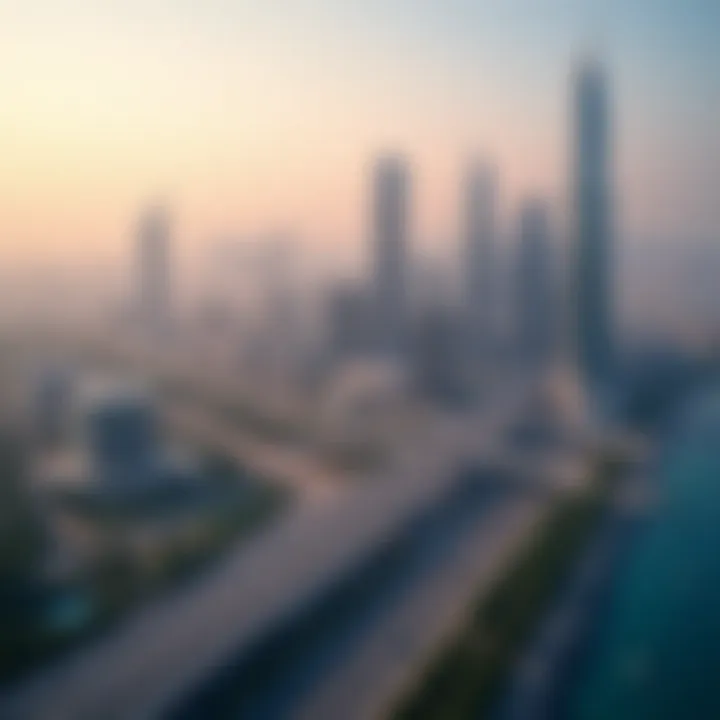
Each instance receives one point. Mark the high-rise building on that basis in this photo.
(390, 230)
(153, 270)
(535, 286)
(479, 266)
(592, 225)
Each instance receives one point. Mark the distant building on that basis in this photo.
(434, 282)
(363, 403)
(154, 283)
(536, 306)
(348, 322)
(281, 311)
(437, 351)
(123, 440)
(592, 226)
(53, 400)
(390, 237)
(436, 356)
(479, 200)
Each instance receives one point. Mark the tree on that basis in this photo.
(21, 537)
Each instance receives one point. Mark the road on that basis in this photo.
(391, 657)
(141, 667)
(144, 664)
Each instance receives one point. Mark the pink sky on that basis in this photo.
(247, 119)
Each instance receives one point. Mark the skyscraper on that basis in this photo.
(390, 215)
(479, 271)
(535, 287)
(592, 221)
(153, 269)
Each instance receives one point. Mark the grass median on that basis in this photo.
(465, 679)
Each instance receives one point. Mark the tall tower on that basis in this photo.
(479, 266)
(536, 306)
(153, 269)
(390, 213)
(592, 226)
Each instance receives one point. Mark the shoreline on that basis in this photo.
(546, 678)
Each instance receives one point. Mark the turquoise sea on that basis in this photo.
(656, 654)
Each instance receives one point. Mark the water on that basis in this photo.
(657, 653)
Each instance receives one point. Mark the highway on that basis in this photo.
(390, 658)
(144, 664)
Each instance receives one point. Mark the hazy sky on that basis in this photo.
(262, 113)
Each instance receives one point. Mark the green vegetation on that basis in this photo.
(195, 527)
(121, 576)
(21, 536)
(466, 678)
(124, 575)
(22, 543)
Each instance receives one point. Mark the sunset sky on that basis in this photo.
(256, 114)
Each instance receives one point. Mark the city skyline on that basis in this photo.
(209, 107)
(356, 358)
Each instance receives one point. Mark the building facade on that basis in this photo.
(390, 232)
(592, 290)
